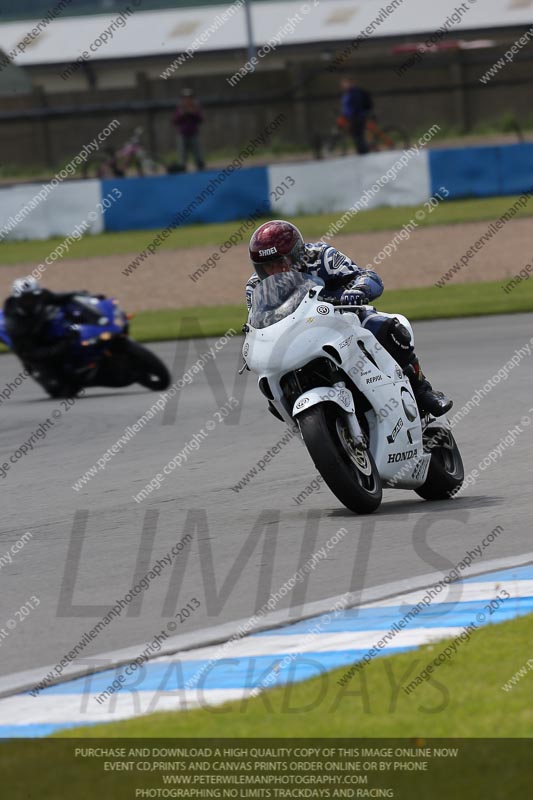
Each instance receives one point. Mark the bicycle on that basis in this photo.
(338, 140)
(113, 163)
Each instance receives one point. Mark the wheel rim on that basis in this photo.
(358, 457)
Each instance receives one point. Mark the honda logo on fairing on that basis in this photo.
(270, 252)
(393, 457)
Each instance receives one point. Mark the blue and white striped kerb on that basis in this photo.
(271, 658)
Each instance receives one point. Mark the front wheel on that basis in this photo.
(56, 385)
(348, 470)
(61, 391)
(446, 472)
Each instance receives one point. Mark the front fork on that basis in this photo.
(359, 438)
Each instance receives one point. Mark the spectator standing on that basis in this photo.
(187, 119)
(356, 104)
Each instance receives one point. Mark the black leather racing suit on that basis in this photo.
(27, 321)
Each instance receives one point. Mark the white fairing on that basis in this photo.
(317, 330)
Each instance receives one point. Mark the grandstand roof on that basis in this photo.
(223, 27)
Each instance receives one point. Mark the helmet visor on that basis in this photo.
(266, 268)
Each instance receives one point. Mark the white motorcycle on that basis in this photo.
(321, 370)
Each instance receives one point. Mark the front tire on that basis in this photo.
(349, 471)
(59, 388)
(446, 472)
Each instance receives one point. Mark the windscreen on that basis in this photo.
(278, 296)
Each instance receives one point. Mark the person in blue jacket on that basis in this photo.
(356, 104)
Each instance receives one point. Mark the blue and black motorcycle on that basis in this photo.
(99, 352)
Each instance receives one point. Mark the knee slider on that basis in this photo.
(400, 335)
(396, 338)
(392, 332)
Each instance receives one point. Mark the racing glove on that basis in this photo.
(353, 297)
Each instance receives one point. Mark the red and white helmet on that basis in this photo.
(276, 241)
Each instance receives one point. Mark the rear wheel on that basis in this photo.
(149, 370)
(348, 470)
(101, 166)
(388, 138)
(396, 138)
(446, 472)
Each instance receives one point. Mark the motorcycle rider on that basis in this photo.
(28, 311)
(278, 246)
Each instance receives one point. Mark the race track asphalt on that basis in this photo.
(89, 547)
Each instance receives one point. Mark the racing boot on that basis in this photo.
(429, 400)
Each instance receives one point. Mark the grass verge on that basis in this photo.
(312, 227)
(463, 300)
(187, 323)
(462, 698)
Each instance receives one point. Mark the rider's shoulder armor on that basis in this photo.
(327, 262)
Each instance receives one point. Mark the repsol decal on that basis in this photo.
(394, 457)
(374, 379)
